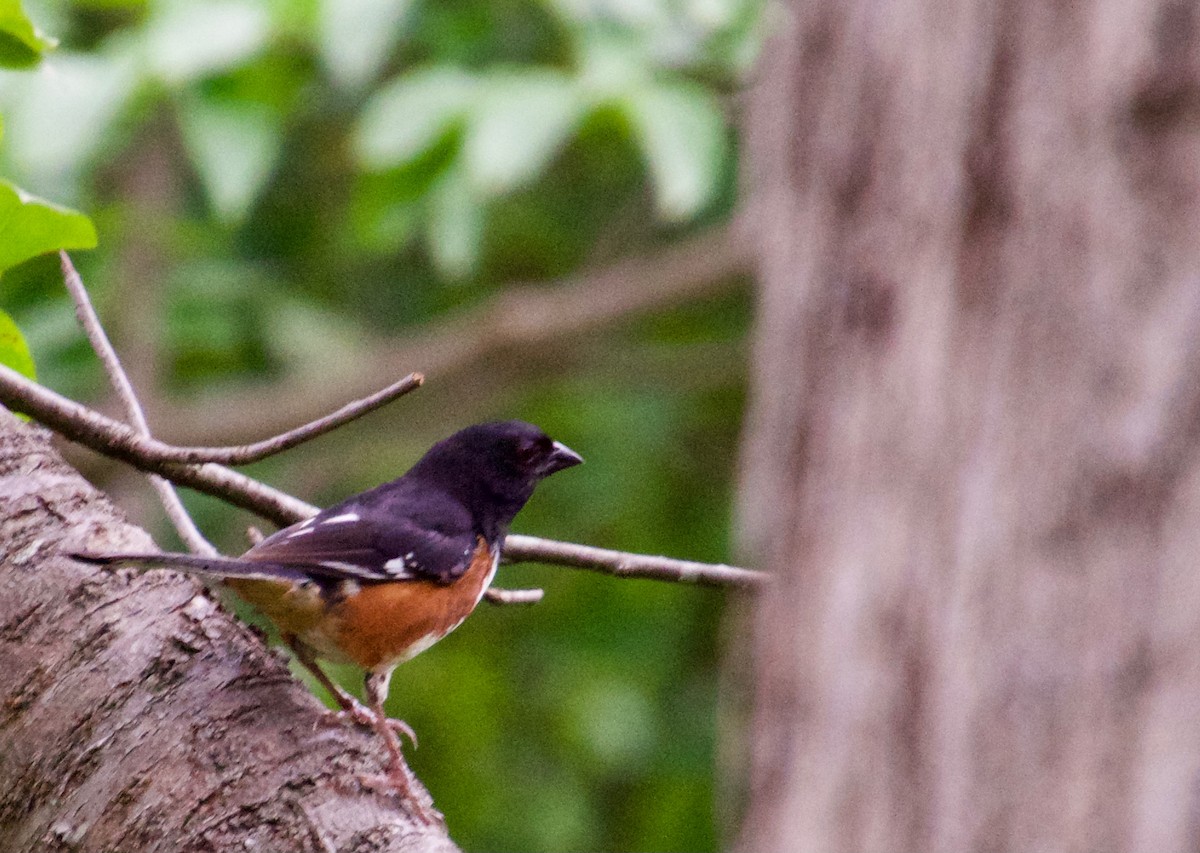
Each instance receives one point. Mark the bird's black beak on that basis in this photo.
(560, 457)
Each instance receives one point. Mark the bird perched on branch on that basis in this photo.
(382, 576)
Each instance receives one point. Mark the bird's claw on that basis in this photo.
(360, 715)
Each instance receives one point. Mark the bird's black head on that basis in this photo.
(493, 468)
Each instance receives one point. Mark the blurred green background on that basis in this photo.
(288, 194)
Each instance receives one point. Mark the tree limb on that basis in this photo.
(113, 438)
(108, 437)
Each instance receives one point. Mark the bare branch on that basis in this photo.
(526, 316)
(112, 438)
(116, 440)
(148, 449)
(85, 313)
(247, 453)
(177, 512)
(349, 412)
(102, 346)
(520, 549)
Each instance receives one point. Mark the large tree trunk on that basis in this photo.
(136, 715)
(970, 457)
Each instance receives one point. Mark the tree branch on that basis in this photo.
(92, 328)
(527, 316)
(108, 437)
(113, 438)
(247, 453)
(519, 549)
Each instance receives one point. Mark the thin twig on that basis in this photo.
(247, 453)
(102, 346)
(514, 596)
(531, 549)
(111, 438)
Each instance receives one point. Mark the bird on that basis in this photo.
(381, 576)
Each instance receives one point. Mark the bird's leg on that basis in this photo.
(398, 777)
(304, 654)
(352, 710)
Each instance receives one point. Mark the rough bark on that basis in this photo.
(971, 451)
(137, 715)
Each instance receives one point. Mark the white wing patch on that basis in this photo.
(341, 519)
(346, 567)
(399, 567)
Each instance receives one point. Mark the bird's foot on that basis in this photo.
(360, 715)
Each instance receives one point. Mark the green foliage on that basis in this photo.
(285, 188)
(406, 118)
(191, 40)
(499, 89)
(21, 45)
(683, 136)
(14, 352)
(522, 120)
(234, 145)
(356, 37)
(30, 226)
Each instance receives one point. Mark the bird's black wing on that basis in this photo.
(391, 535)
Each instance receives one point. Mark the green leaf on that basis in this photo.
(192, 39)
(93, 89)
(234, 146)
(519, 122)
(408, 116)
(14, 352)
(455, 230)
(610, 66)
(21, 45)
(30, 226)
(682, 135)
(356, 36)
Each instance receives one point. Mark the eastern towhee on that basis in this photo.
(382, 576)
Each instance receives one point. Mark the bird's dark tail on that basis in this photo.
(221, 567)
